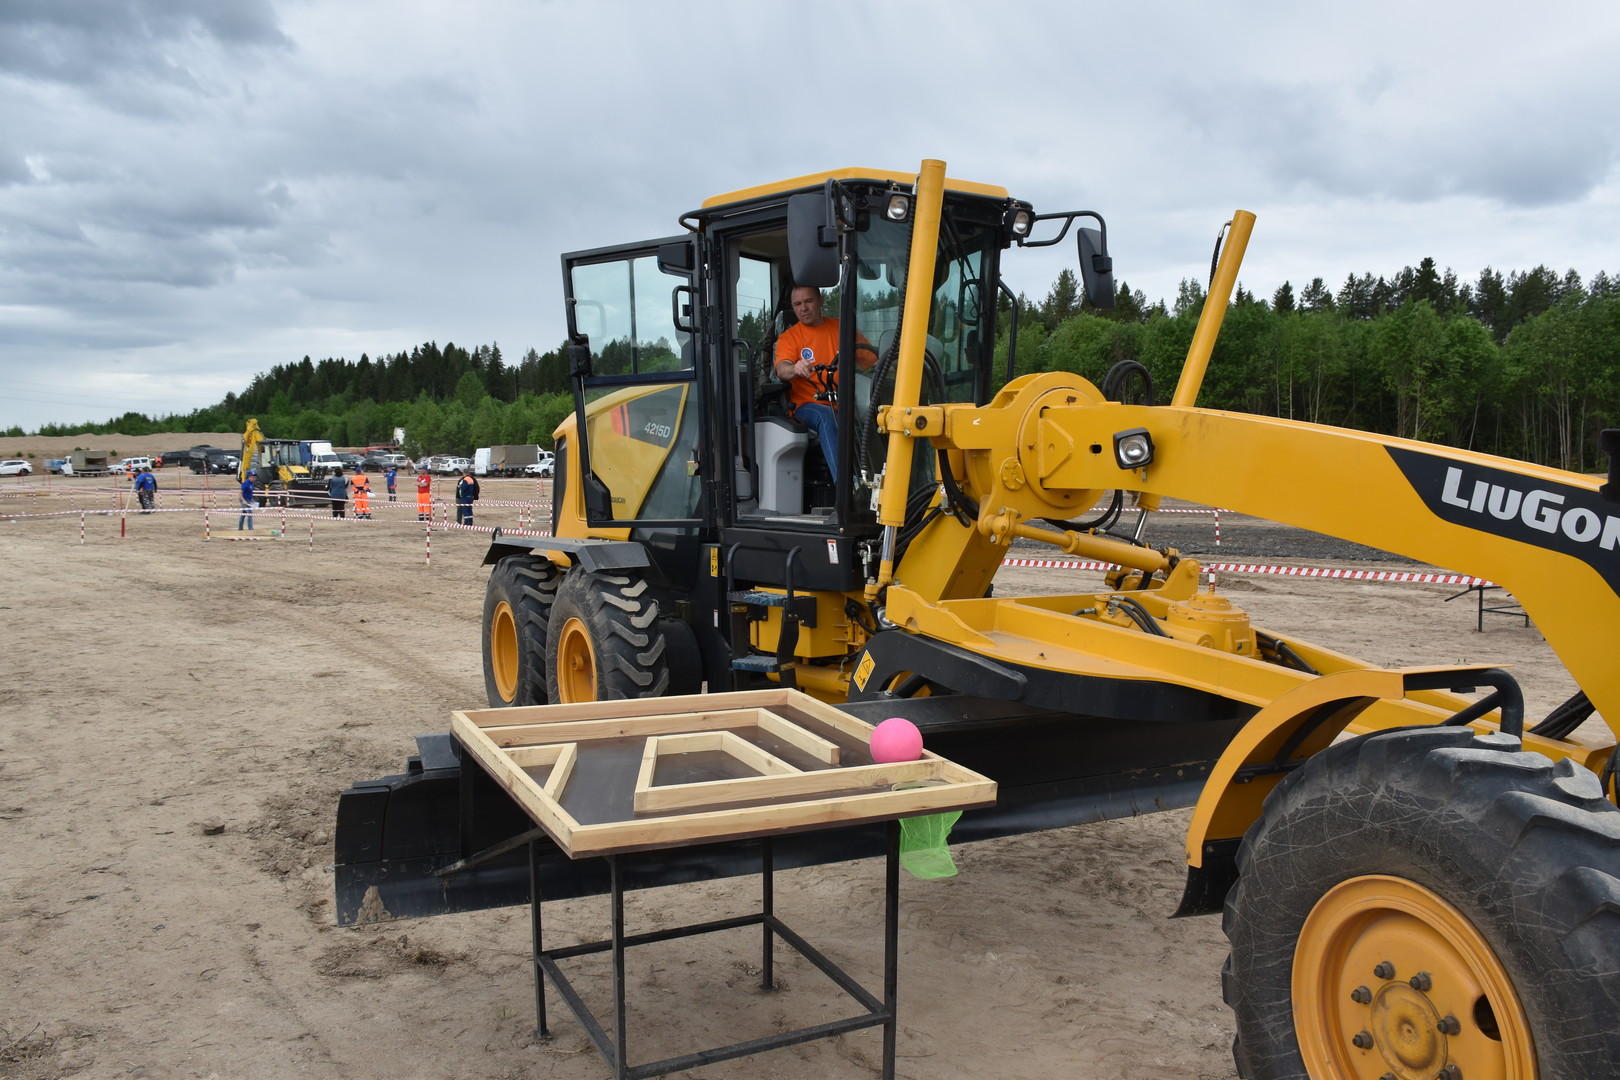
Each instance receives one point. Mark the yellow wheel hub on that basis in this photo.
(503, 651)
(576, 663)
(1393, 983)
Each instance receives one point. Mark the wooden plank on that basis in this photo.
(620, 727)
(654, 833)
(808, 741)
(547, 812)
(833, 717)
(764, 789)
(649, 765)
(531, 757)
(610, 710)
(651, 797)
(562, 772)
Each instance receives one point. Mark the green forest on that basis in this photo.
(1524, 364)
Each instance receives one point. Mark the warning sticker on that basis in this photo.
(863, 671)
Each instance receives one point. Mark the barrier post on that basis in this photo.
(427, 544)
(312, 533)
(81, 528)
(207, 535)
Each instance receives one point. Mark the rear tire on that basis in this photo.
(517, 606)
(1487, 878)
(605, 640)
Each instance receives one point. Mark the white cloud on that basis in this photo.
(194, 192)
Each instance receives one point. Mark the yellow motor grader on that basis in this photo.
(1414, 882)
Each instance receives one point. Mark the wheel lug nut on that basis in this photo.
(1450, 1072)
(1384, 970)
(1361, 995)
(1420, 982)
(1389, 1076)
(1363, 1039)
(1448, 1026)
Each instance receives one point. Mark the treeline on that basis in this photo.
(448, 400)
(1525, 365)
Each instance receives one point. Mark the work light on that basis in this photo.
(1133, 449)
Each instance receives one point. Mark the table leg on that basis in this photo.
(621, 1062)
(891, 946)
(767, 903)
(541, 1031)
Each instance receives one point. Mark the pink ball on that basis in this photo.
(896, 739)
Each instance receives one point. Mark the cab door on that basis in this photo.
(633, 362)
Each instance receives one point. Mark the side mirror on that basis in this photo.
(1096, 268)
(1609, 440)
(812, 240)
(677, 256)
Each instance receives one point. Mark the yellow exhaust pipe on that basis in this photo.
(1215, 305)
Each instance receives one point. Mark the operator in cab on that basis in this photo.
(807, 361)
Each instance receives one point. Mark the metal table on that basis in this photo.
(879, 1012)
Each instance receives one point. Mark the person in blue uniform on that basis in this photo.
(247, 505)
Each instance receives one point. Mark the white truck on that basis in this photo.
(512, 460)
(323, 460)
(86, 463)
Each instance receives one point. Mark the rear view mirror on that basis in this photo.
(1096, 268)
(812, 240)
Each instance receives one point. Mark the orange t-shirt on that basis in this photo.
(819, 345)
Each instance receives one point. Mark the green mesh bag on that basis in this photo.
(922, 845)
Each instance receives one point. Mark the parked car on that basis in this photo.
(544, 466)
(455, 466)
(215, 460)
(173, 457)
(378, 460)
(350, 460)
(132, 465)
(15, 467)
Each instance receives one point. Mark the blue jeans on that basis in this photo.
(246, 515)
(822, 420)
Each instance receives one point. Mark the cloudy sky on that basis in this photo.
(192, 191)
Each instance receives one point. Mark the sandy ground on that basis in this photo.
(178, 715)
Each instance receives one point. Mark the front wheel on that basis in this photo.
(605, 642)
(1428, 904)
(517, 608)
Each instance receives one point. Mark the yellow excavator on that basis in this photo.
(278, 468)
(1415, 882)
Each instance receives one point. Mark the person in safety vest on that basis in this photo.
(466, 495)
(360, 492)
(424, 496)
